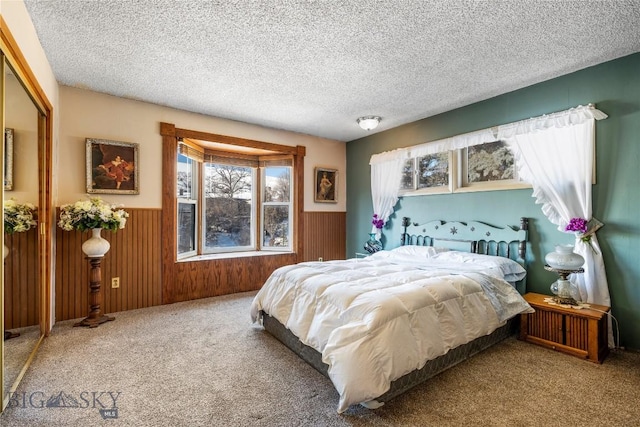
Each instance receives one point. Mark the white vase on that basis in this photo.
(563, 258)
(95, 246)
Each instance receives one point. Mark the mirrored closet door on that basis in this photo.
(24, 300)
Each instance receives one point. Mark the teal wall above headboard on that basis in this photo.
(615, 89)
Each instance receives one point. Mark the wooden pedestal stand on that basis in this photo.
(95, 317)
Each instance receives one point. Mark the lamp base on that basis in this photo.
(94, 322)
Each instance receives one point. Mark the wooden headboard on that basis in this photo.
(473, 236)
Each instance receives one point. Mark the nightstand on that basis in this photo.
(581, 332)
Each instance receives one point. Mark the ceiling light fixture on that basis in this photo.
(369, 122)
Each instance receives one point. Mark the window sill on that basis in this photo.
(229, 255)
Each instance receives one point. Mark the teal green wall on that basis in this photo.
(615, 88)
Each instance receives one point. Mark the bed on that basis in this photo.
(377, 326)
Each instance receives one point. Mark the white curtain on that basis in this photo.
(386, 174)
(555, 155)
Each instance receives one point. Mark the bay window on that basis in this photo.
(233, 201)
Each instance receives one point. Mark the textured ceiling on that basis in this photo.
(315, 66)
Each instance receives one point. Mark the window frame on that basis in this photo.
(253, 243)
(232, 147)
(462, 184)
(458, 171)
(289, 204)
(191, 200)
(444, 189)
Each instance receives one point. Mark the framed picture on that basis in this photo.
(326, 185)
(8, 159)
(112, 167)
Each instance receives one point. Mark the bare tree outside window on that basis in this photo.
(433, 170)
(228, 192)
(492, 161)
(407, 175)
(276, 206)
(227, 181)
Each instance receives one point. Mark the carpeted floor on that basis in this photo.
(17, 350)
(202, 363)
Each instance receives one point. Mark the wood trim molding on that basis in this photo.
(169, 214)
(14, 55)
(299, 203)
(232, 140)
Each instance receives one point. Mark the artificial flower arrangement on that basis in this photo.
(584, 229)
(377, 221)
(93, 213)
(18, 217)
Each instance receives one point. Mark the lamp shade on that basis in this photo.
(369, 122)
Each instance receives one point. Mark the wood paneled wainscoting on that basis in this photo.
(213, 277)
(324, 235)
(21, 290)
(134, 257)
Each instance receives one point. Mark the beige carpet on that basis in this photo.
(202, 363)
(16, 352)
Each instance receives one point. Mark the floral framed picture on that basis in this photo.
(112, 167)
(326, 181)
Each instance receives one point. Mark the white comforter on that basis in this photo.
(376, 319)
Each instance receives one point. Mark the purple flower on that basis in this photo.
(577, 225)
(377, 221)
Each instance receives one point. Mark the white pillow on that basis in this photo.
(420, 251)
(511, 270)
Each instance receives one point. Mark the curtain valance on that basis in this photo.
(570, 117)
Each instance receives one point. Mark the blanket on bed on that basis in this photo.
(379, 318)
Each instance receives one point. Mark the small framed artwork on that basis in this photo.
(326, 181)
(8, 159)
(112, 167)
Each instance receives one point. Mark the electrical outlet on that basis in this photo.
(115, 282)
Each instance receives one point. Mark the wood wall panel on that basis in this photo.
(134, 257)
(208, 278)
(324, 235)
(21, 292)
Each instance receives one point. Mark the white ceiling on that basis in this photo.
(315, 66)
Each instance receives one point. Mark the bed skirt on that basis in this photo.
(408, 381)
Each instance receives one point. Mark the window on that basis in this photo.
(408, 176)
(482, 167)
(427, 174)
(232, 201)
(187, 204)
(276, 207)
(433, 170)
(229, 197)
(488, 165)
